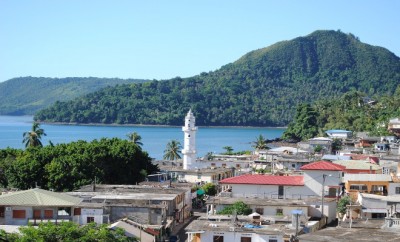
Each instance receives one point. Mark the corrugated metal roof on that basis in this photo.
(38, 197)
(323, 165)
(265, 180)
(357, 165)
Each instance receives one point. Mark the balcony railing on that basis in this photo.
(392, 222)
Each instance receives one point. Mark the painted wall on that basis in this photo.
(392, 188)
(313, 181)
(97, 214)
(8, 215)
(208, 236)
(267, 191)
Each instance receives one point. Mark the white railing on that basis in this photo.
(392, 222)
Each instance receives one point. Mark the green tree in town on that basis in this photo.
(135, 138)
(32, 138)
(210, 189)
(260, 143)
(240, 207)
(68, 231)
(173, 150)
(336, 145)
(66, 167)
(343, 202)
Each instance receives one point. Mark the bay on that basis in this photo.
(154, 138)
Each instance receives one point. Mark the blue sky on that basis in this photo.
(164, 39)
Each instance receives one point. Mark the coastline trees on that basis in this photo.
(173, 150)
(32, 138)
(260, 143)
(304, 125)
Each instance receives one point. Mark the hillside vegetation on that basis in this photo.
(353, 111)
(26, 95)
(262, 88)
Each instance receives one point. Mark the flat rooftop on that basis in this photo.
(267, 201)
(338, 234)
(124, 196)
(241, 226)
(161, 188)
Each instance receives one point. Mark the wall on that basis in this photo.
(313, 181)
(91, 212)
(8, 215)
(122, 212)
(267, 191)
(392, 188)
(208, 236)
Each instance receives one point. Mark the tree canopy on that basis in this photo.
(240, 207)
(65, 167)
(353, 111)
(67, 231)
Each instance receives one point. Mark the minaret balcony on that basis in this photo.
(185, 129)
(188, 152)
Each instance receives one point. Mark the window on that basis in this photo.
(218, 238)
(397, 190)
(198, 175)
(19, 214)
(260, 211)
(245, 239)
(359, 187)
(272, 240)
(2, 209)
(279, 211)
(48, 214)
(64, 212)
(37, 214)
(90, 220)
(293, 165)
(77, 211)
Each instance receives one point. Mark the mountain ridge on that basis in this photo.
(261, 88)
(26, 95)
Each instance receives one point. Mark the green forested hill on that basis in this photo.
(262, 88)
(26, 95)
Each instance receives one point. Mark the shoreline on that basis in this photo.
(151, 125)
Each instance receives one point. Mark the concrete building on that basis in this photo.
(38, 205)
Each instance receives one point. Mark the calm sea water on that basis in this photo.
(154, 139)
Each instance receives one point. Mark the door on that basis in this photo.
(280, 192)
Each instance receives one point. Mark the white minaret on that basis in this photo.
(189, 147)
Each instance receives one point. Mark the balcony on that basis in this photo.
(392, 222)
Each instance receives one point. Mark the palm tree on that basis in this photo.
(228, 149)
(172, 151)
(260, 143)
(32, 138)
(135, 138)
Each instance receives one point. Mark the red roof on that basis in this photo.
(265, 180)
(323, 165)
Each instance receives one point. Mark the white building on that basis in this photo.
(339, 134)
(189, 148)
